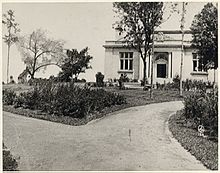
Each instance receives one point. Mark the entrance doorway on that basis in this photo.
(161, 70)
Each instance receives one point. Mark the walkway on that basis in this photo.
(132, 139)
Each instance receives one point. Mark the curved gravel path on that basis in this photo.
(133, 139)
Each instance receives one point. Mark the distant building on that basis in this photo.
(121, 60)
(24, 77)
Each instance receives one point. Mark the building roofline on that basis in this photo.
(173, 31)
(156, 46)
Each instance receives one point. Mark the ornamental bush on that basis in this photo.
(67, 99)
(8, 97)
(202, 109)
(99, 79)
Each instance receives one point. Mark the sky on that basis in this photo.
(80, 25)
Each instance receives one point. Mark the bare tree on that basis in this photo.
(12, 28)
(38, 51)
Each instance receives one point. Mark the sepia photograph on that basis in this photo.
(110, 86)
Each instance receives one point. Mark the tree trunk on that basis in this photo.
(32, 75)
(8, 63)
(182, 48)
(145, 68)
(152, 67)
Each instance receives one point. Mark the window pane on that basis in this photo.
(200, 65)
(126, 64)
(131, 55)
(121, 64)
(194, 65)
(126, 54)
(195, 56)
(121, 54)
(131, 65)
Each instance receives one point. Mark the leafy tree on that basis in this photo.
(39, 51)
(205, 35)
(74, 64)
(138, 21)
(11, 37)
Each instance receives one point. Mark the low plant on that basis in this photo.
(66, 99)
(202, 108)
(8, 97)
(9, 162)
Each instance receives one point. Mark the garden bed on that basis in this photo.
(133, 97)
(202, 148)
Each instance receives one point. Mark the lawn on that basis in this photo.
(18, 88)
(137, 97)
(202, 148)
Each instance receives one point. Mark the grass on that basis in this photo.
(18, 88)
(137, 97)
(202, 148)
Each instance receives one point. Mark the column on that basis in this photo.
(169, 66)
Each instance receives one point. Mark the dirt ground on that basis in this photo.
(134, 139)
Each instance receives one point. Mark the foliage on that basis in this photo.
(12, 28)
(11, 37)
(205, 34)
(137, 20)
(99, 79)
(188, 85)
(39, 51)
(8, 97)
(66, 99)
(202, 108)
(9, 163)
(74, 64)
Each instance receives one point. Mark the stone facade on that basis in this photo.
(167, 58)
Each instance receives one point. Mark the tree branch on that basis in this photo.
(47, 65)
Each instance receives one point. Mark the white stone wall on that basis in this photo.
(211, 75)
(112, 64)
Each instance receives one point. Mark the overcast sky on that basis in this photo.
(79, 24)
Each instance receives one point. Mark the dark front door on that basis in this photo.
(161, 70)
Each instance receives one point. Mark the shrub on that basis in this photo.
(202, 108)
(8, 97)
(133, 80)
(99, 79)
(9, 163)
(188, 84)
(66, 99)
(142, 82)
